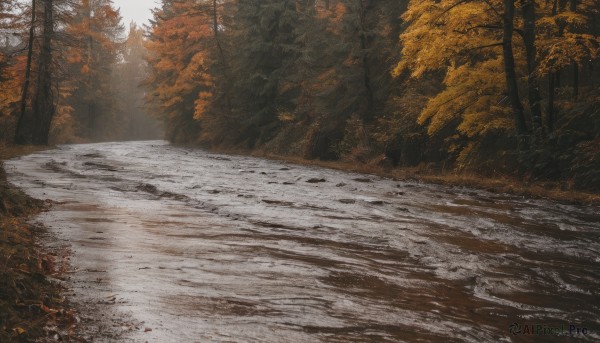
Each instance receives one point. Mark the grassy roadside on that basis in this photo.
(555, 191)
(31, 305)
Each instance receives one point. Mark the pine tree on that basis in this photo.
(96, 29)
(179, 83)
(365, 33)
(265, 38)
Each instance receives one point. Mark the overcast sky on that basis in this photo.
(136, 10)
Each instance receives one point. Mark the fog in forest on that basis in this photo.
(72, 74)
(110, 103)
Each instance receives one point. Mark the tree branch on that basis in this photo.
(490, 27)
(486, 46)
(493, 8)
(449, 9)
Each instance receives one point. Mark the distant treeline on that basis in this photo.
(495, 87)
(69, 74)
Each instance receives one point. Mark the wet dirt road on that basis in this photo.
(177, 245)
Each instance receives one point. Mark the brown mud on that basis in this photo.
(180, 245)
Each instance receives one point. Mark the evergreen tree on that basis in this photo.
(265, 39)
(96, 29)
(179, 83)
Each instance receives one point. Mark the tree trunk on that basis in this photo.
(533, 85)
(364, 45)
(223, 59)
(23, 132)
(509, 66)
(575, 65)
(44, 102)
(216, 30)
(575, 81)
(574, 5)
(91, 62)
(550, 112)
(592, 76)
(562, 5)
(553, 79)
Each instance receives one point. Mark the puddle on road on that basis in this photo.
(200, 247)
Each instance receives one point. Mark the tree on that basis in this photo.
(11, 67)
(471, 44)
(20, 136)
(366, 36)
(179, 83)
(265, 37)
(312, 78)
(566, 39)
(9, 25)
(37, 129)
(509, 66)
(533, 87)
(96, 30)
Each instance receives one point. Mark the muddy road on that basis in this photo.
(176, 245)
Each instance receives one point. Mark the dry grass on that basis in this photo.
(555, 191)
(562, 192)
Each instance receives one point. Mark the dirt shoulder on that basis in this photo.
(562, 192)
(32, 307)
(552, 190)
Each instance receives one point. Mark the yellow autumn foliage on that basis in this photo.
(444, 36)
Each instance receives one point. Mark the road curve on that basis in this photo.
(171, 244)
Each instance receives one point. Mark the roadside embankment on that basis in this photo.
(559, 191)
(31, 305)
(552, 190)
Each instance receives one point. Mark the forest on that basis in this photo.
(190, 239)
(69, 72)
(497, 88)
